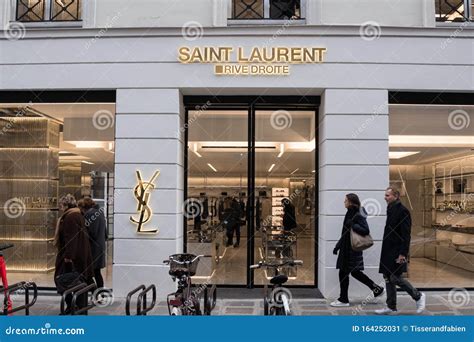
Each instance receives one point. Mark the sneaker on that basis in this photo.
(337, 303)
(378, 291)
(386, 311)
(421, 303)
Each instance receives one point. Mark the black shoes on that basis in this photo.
(378, 291)
(236, 245)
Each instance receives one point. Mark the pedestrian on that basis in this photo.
(350, 262)
(395, 250)
(231, 217)
(72, 241)
(96, 227)
(289, 215)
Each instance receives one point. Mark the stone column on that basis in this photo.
(148, 138)
(353, 157)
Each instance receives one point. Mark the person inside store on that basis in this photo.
(289, 215)
(350, 262)
(96, 227)
(231, 219)
(74, 259)
(395, 250)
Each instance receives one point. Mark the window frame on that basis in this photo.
(266, 20)
(47, 15)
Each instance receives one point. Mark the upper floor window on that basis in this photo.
(48, 10)
(267, 9)
(454, 10)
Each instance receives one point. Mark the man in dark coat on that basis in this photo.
(395, 248)
(289, 215)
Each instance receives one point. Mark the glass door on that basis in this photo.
(285, 190)
(217, 188)
(246, 161)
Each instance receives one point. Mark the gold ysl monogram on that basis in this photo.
(142, 194)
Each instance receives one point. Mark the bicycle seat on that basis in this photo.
(279, 279)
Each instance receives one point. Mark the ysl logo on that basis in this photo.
(142, 194)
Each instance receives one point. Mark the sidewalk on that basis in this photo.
(438, 303)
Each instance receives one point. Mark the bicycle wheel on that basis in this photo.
(265, 306)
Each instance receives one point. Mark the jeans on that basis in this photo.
(394, 280)
(344, 283)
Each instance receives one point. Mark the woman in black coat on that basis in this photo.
(289, 215)
(350, 262)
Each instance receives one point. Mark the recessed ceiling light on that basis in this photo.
(212, 167)
(294, 171)
(195, 150)
(271, 168)
(401, 154)
(282, 150)
(87, 162)
(431, 141)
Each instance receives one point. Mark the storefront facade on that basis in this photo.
(349, 86)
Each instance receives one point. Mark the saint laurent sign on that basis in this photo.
(256, 61)
(142, 193)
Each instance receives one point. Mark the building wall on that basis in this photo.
(354, 82)
(209, 13)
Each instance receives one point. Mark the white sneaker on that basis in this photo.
(386, 311)
(421, 303)
(337, 304)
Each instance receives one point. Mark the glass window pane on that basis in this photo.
(65, 10)
(437, 186)
(215, 209)
(30, 10)
(450, 10)
(248, 9)
(285, 192)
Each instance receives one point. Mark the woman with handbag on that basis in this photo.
(350, 261)
(74, 259)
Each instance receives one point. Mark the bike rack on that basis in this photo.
(75, 292)
(15, 287)
(210, 299)
(89, 306)
(129, 298)
(142, 307)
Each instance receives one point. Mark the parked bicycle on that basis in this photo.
(185, 301)
(277, 302)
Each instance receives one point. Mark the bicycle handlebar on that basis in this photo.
(286, 263)
(189, 261)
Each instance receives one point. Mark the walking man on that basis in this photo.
(395, 248)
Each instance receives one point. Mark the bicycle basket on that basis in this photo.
(183, 264)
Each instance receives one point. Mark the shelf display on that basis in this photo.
(29, 158)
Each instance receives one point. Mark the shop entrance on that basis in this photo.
(245, 159)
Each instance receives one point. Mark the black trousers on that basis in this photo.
(235, 227)
(98, 278)
(344, 282)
